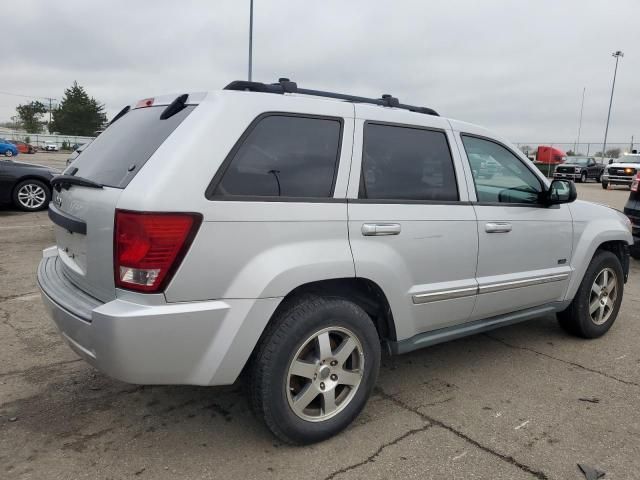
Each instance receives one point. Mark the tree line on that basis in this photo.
(76, 114)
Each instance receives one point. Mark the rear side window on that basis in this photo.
(284, 156)
(403, 163)
(118, 154)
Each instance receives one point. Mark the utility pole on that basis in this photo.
(577, 145)
(616, 54)
(250, 37)
(631, 148)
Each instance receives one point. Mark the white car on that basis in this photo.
(51, 147)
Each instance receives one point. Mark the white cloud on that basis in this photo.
(515, 67)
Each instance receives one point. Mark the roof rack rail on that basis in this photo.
(284, 85)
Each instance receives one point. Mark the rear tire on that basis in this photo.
(634, 251)
(597, 301)
(301, 383)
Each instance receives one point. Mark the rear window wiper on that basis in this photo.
(65, 181)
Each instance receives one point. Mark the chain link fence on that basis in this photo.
(40, 140)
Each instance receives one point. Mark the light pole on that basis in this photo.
(616, 54)
(250, 37)
(577, 145)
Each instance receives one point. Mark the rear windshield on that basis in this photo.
(116, 156)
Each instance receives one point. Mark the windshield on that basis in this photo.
(118, 153)
(578, 161)
(629, 159)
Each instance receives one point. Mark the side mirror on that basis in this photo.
(610, 161)
(560, 191)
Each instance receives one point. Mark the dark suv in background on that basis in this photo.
(579, 169)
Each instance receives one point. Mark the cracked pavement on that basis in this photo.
(522, 402)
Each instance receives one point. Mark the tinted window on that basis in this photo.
(285, 156)
(402, 163)
(128, 142)
(498, 174)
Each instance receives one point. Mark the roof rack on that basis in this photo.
(284, 85)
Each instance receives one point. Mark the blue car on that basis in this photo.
(8, 149)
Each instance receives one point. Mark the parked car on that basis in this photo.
(483, 166)
(579, 169)
(7, 148)
(78, 149)
(25, 185)
(622, 170)
(51, 147)
(312, 235)
(23, 147)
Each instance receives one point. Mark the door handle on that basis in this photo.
(497, 227)
(371, 229)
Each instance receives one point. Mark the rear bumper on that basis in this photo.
(195, 343)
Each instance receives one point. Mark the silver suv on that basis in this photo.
(319, 230)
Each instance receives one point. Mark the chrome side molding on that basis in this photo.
(527, 282)
(489, 288)
(445, 295)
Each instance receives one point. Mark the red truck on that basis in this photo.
(550, 155)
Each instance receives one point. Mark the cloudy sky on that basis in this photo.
(517, 67)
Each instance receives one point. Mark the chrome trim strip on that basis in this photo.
(490, 288)
(527, 282)
(444, 295)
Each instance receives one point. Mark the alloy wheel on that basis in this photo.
(602, 298)
(324, 374)
(31, 196)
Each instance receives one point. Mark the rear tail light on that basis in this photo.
(634, 183)
(149, 247)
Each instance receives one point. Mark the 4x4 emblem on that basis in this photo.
(58, 201)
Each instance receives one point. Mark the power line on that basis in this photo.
(49, 99)
(26, 96)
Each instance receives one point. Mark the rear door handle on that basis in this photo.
(371, 229)
(497, 227)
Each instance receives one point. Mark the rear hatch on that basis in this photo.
(84, 214)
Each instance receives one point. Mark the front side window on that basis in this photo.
(285, 156)
(403, 163)
(499, 175)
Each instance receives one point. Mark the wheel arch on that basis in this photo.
(364, 292)
(585, 251)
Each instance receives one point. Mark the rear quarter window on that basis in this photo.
(115, 157)
(282, 156)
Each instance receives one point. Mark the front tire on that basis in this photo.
(583, 177)
(597, 302)
(31, 195)
(8, 153)
(605, 185)
(314, 369)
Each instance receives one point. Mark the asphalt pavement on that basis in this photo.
(526, 401)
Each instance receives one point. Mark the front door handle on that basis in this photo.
(497, 227)
(371, 229)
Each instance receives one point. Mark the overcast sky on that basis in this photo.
(516, 67)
